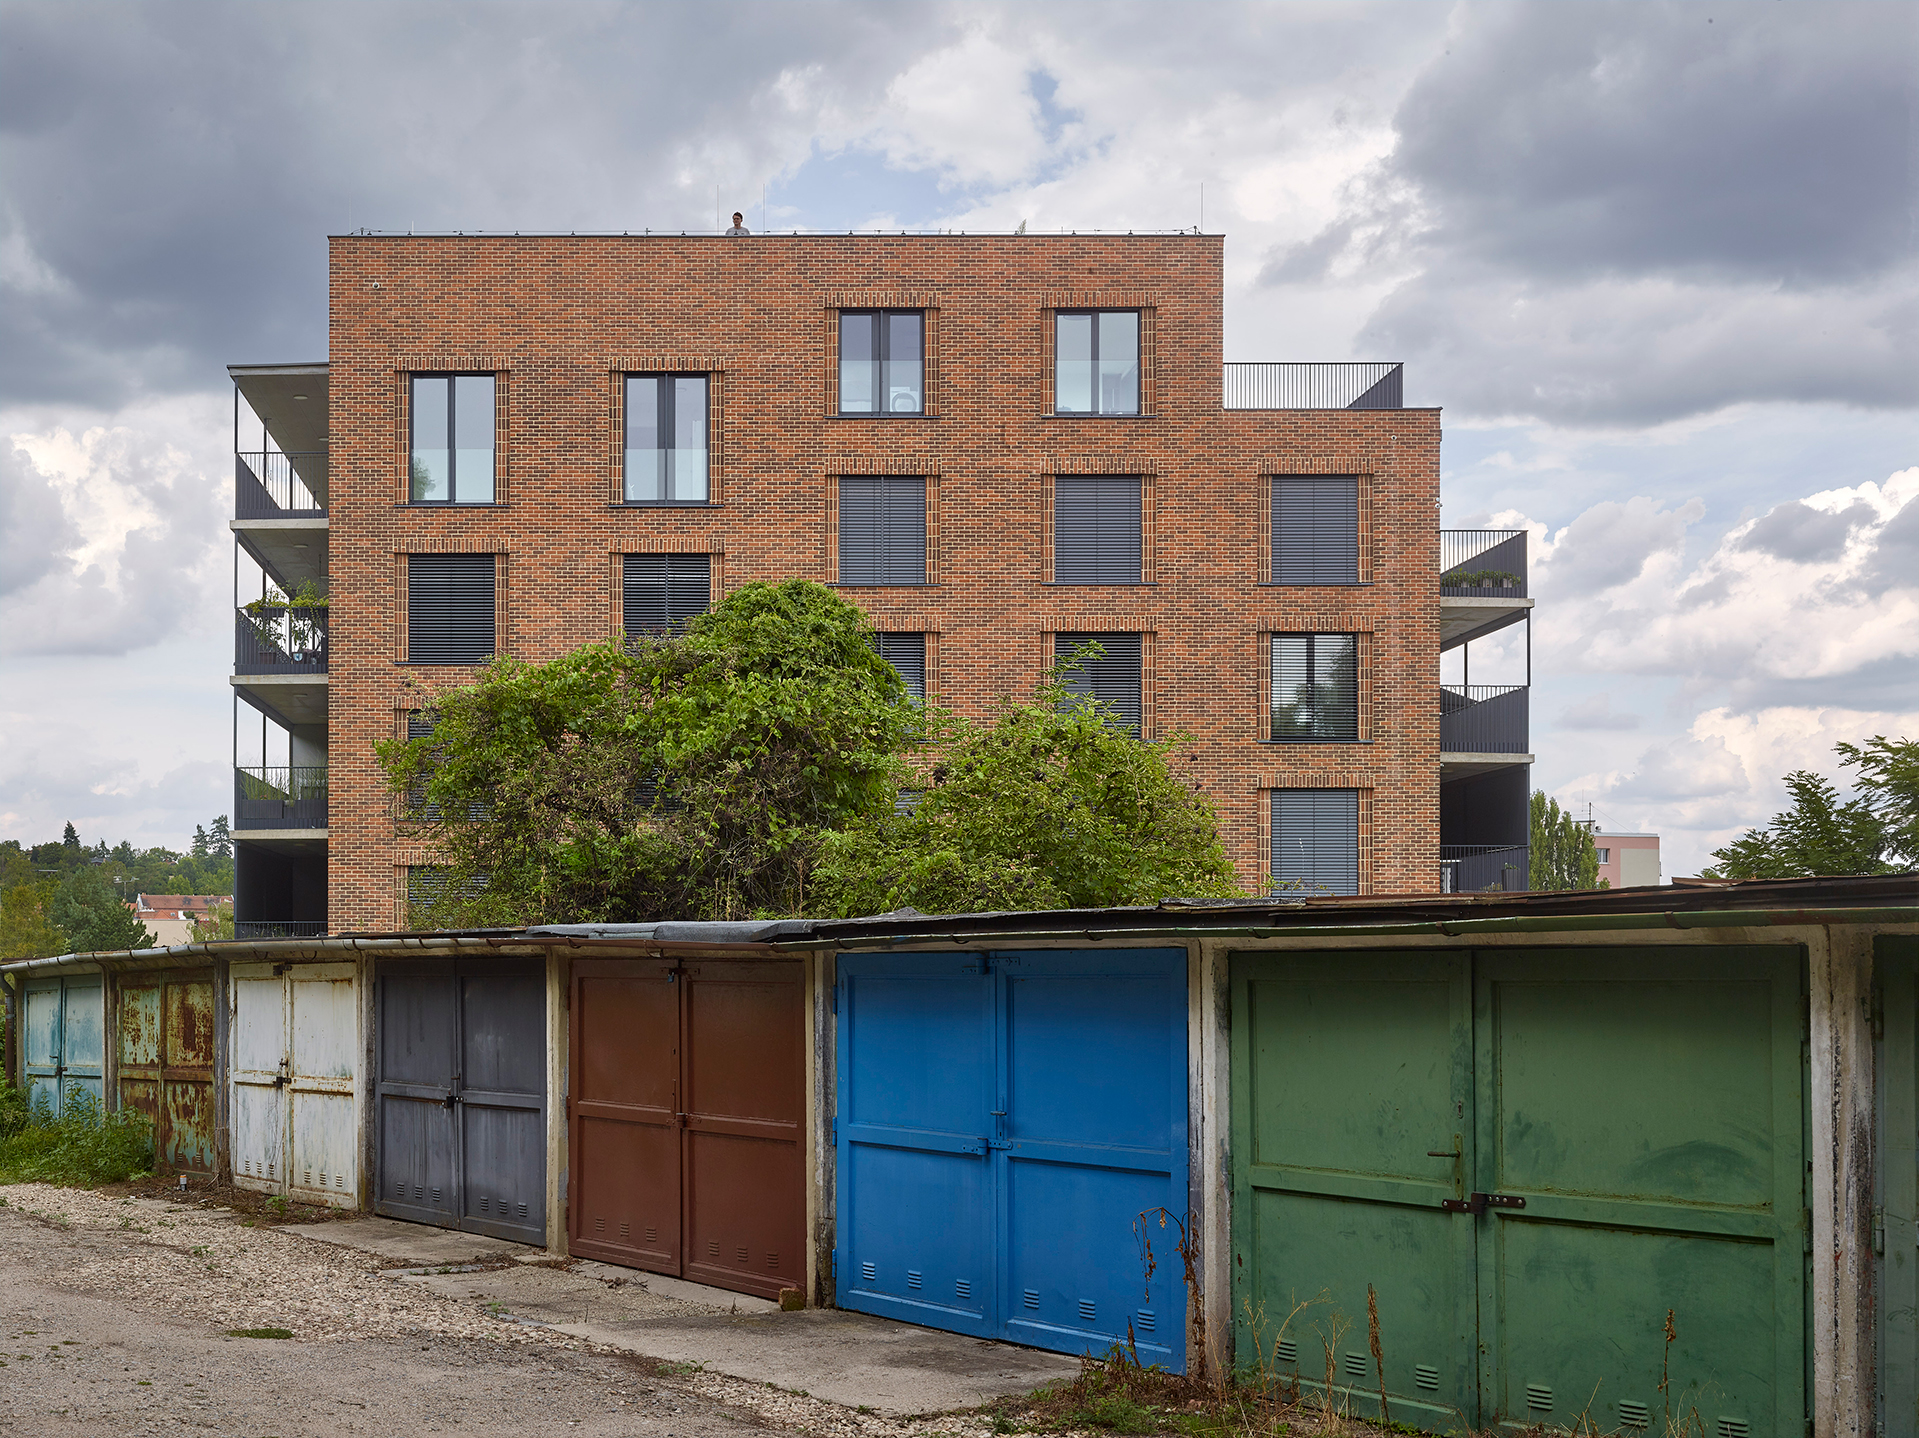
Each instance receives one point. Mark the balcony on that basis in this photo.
(1379, 385)
(1480, 868)
(279, 928)
(1482, 583)
(280, 798)
(280, 639)
(270, 485)
(1483, 718)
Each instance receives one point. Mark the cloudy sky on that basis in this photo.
(1657, 262)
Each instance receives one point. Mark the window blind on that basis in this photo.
(449, 608)
(1315, 529)
(1096, 529)
(882, 529)
(1113, 677)
(660, 593)
(1316, 839)
(1316, 686)
(906, 653)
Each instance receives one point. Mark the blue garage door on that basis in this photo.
(1005, 1120)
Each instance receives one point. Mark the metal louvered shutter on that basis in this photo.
(1316, 839)
(449, 608)
(1096, 529)
(419, 724)
(1315, 692)
(660, 593)
(1113, 677)
(906, 653)
(1315, 529)
(882, 529)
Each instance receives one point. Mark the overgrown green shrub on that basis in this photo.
(13, 1111)
(81, 1148)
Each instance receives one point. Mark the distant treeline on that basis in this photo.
(67, 897)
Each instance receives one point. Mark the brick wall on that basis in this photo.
(559, 318)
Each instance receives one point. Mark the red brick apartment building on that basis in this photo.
(997, 446)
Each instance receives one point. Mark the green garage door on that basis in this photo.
(1897, 1228)
(1531, 1157)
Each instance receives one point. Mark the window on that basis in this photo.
(1096, 362)
(1316, 686)
(1112, 676)
(427, 884)
(452, 446)
(882, 537)
(882, 362)
(449, 608)
(419, 725)
(906, 653)
(1096, 529)
(660, 593)
(1605, 855)
(665, 439)
(1316, 839)
(1315, 529)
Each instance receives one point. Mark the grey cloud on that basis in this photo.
(1595, 713)
(1796, 531)
(35, 534)
(1895, 558)
(1610, 543)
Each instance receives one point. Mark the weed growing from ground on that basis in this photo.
(81, 1148)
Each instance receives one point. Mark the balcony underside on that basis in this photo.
(286, 699)
(1463, 619)
(291, 843)
(291, 550)
(291, 400)
(1469, 766)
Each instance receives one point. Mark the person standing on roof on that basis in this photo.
(739, 225)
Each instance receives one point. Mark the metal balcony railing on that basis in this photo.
(1483, 718)
(280, 798)
(279, 928)
(1482, 563)
(270, 485)
(1379, 385)
(1477, 868)
(280, 639)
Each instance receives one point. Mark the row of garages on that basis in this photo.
(1580, 1154)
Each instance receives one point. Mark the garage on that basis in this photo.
(1533, 1156)
(64, 1026)
(293, 1081)
(687, 1143)
(460, 1095)
(165, 1071)
(1896, 1231)
(1004, 1121)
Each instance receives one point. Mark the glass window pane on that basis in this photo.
(429, 463)
(859, 363)
(1292, 688)
(1119, 362)
(473, 438)
(1336, 680)
(689, 438)
(1073, 371)
(645, 465)
(904, 363)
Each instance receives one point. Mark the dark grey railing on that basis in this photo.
(280, 797)
(1482, 563)
(1483, 718)
(279, 928)
(1366, 385)
(1476, 868)
(280, 639)
(271, 485)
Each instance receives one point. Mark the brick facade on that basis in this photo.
(559, 319)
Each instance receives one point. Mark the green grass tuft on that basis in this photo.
(259, 1333)
(80, 1149)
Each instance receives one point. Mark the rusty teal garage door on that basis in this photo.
(64, 1050)
(1573, 1180)
(1896, 1224)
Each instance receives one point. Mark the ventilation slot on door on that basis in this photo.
(339, 1181)
(482, 1203)
(652, 1235)
(1634, 1415)
(1734, 1428)
(1032, 1298)
(309, 1179)
(1539, 1398)
(1285, 1351)
(522, 1210)
(1426, 1376)
(869, 1272)
(1145, 1320)
(1086, 1310)
(436, 1195)
(746, 1255)
(623, 1230)
(912, 1278)
(773, 1260)
(712, 1250)
(599, 1225)
(963, 1287)
(1355, 1364)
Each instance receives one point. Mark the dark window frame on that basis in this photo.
(1136, 553)
(452, 434)
(882, 356)
(1088, 679)
(885, 564)
(1314, 684)
(665, 421)
(1350, 803)
(415, 589)
(887, 644)
(1139, 364)
(675, 624)
(1317, 562)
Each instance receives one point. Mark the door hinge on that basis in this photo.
(1879, 1231)
(836, 1132)
(1805, 1224)
(999, 1143)
(1478, 1203)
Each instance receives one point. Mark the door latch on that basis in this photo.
(1478, 1203)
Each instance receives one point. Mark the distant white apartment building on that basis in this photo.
(1628, 861)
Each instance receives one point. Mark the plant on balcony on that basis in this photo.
(1479, 579)
(289, 625)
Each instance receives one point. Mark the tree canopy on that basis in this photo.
(1825, 833)
(1562, 855)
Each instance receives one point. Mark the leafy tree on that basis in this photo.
(218, 924)
(1889, 785)
(683, 777)
(1049, 805)
(93, 916)
(1820, 834)
(26, 932)
(1562, 855)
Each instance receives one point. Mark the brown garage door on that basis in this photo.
(166, 1063)
(688, 1095)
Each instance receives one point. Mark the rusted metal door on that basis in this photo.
(63, 1049)
(461, 1096)
(166, 1063)
(688, 1102)
(293, 1034)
